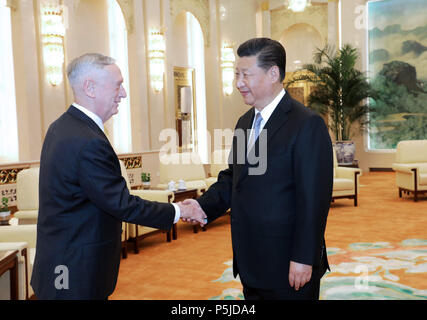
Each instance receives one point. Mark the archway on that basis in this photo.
(300, 41)
(119, 127)
(189, 52)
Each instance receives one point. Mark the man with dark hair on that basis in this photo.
(269, 52)
(278, 216)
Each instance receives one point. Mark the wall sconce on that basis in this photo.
(53, 31)
(156, 56)
(227, 65)
(298, 5)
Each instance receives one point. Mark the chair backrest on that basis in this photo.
(27, 189)
(335, 158)
(409, 151)
(124, 173)
(219, 161)
(20, 233)
(187, 166)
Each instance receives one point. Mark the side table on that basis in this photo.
(354, 164)
(9, 261)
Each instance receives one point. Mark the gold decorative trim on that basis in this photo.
(185, 77)
(128, 14)
(12, 4)
(8, 176)
(199, 8)
(132, 162)
(265, 6)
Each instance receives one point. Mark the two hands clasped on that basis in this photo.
(191, 212)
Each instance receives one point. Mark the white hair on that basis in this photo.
(84, 64)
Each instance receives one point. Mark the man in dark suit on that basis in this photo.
(279, 203)
(83, 196)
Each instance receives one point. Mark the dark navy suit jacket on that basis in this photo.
(280, 215)
(83, 200)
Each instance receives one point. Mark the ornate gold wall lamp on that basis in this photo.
(53, 32)
(227, 65)
(156, 56)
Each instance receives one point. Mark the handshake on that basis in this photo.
(192, 212)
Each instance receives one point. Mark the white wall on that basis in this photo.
(231, 21)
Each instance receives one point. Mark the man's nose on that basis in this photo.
(123, 93)
(239, 81)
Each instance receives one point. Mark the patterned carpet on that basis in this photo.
(377, 250)
(367, 271)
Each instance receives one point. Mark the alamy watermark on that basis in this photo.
(62, 280)
(255, 155)
(361, 21)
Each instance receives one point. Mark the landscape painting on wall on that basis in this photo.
(397, 44)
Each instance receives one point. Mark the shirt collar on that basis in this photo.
(91, 115)
(268, 110)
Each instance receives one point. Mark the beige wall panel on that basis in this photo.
(232, 21)
(26, 63)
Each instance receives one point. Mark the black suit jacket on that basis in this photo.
(280, 215)
(83, 200)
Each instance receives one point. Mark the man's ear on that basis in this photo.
(89, 87)
(274, 74)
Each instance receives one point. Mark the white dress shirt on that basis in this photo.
(266, 113)
(99, 123)
(91, 115)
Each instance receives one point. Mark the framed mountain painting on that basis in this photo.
(397, 47)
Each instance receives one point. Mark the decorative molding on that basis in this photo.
(132, 162)
(265, 6)
(8, 176)
(133, 166)
(316, 16)
(199, 8)
(128, 13)
(12, 4)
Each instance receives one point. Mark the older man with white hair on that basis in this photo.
(83, 196)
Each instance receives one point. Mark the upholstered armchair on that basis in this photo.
(125, 225)
(186, 166)
(411, 167)
(138, 232)
(346, 181)
(22, 238)
(27, 195)
(135, 233)
(219, 162)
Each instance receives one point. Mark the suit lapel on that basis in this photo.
(277, 119)
(279, 116)
(246, 124)
(73, 111)
(80, 115)
(247, 121)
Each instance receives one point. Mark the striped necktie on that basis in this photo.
(255, 134)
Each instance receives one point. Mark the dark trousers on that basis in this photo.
(310, 291)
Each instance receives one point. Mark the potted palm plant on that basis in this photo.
(4, 212)
(341, 94)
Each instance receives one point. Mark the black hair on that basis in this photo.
(269, 53)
